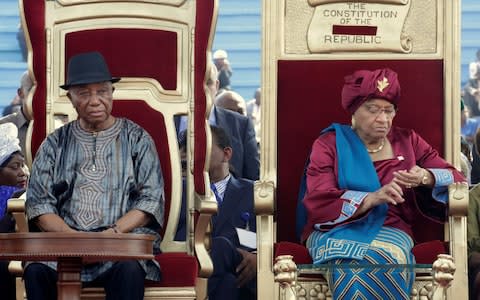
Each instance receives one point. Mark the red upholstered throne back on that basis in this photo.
(309, 99)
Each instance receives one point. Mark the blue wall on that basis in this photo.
(11, 61)
(470, 34)
(239, 33)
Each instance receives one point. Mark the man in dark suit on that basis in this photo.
(235, 265)
(245, 161)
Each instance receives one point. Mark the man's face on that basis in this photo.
(93, 103)
(212, 85)
(217, 157)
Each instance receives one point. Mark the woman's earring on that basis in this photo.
(353, 123)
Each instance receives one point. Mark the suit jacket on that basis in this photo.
(245, 159)
(237, 200)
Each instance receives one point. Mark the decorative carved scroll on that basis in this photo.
(443, 270)
(286, 275)
(369, 25)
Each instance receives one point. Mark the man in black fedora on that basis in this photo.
(97, 173)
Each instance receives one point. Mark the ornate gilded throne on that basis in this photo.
(160, 49)
(308, 47)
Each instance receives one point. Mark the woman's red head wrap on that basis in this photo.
(363, 85)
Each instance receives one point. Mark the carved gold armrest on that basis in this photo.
(206, 206)
(458, 199)
(16, 206)
(15, 268)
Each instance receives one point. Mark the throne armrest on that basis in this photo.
(457, 235)
(458, 199)
(16, 206)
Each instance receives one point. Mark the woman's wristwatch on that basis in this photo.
(425, 177)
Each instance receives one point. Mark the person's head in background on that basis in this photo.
(465, 114)
(212, 80)
(20, 97)
(220, 59)
(12, 161)
(232, 101)
(465, 148)
(182, 147)
(224, 69)
(258, 96)
(26, 85)
(220, 155)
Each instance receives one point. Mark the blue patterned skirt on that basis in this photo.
(385, 272)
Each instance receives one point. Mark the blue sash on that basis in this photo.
(357, 173)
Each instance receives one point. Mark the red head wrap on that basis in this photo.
(364, 85)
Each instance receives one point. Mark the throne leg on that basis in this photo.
(443, 270)
(285, 271)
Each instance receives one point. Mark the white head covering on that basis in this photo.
(9, 142)
(220, 54)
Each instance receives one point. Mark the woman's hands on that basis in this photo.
(391, 193)
(416, 176)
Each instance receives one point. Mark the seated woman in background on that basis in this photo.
(361, 184)
(12, 179)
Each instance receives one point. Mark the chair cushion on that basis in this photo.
(425, 253)
(299, 252)
(178, 270)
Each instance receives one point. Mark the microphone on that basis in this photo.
(246, 217)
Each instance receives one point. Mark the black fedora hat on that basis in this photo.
(85, 68)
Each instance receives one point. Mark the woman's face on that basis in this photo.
(373, 119)
(13, 173)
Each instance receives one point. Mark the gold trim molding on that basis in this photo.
(176, 3)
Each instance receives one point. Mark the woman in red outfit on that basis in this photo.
(361, 184)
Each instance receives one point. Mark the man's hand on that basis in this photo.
(247, 269)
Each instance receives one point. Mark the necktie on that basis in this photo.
(215, 191)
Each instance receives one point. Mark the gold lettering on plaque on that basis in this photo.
(368, 25)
